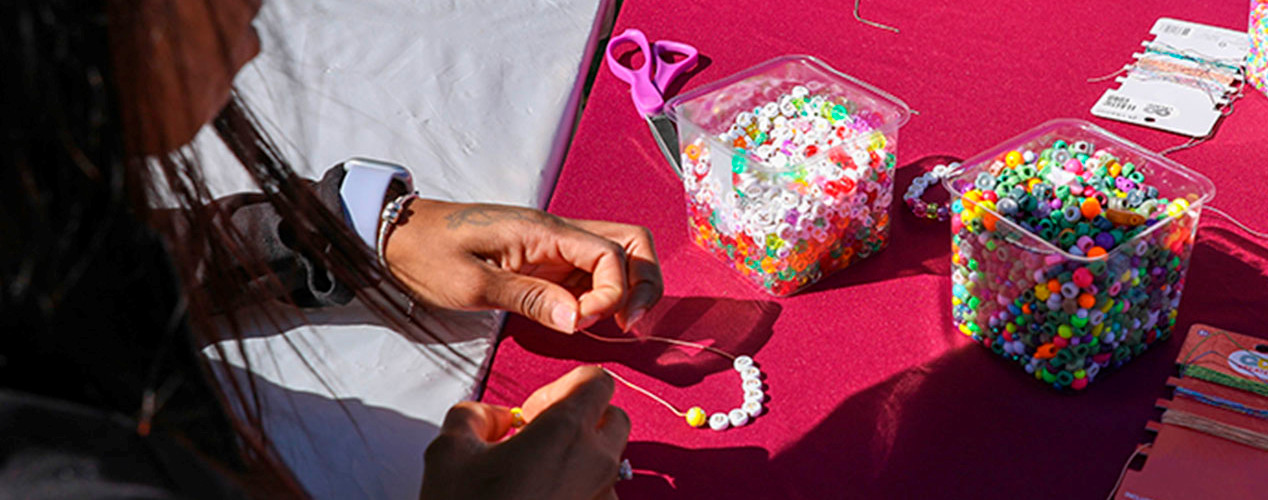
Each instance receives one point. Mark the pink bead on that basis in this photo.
(1082, 277)
(1079, 384)
(1074, 166)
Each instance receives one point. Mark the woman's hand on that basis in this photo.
(565, 274)
(570, 449)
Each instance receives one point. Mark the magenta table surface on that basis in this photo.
(873, 394)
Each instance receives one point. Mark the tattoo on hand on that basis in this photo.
(487, 215)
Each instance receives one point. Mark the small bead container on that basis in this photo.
(787, 169)
(1257, 59)
(1072, 261)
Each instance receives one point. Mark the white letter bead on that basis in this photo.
(738, 417)
(754, 395)
(752, 383)
(752, 408)
(751, 372)
(719, 421)
(742, 362)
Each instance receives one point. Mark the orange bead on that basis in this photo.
(1095, 252)
(1115, 168)
(1054, 286)
(693, 152)
(1091, 207)
(1087, 301)
(1046, 351)
(989, 220)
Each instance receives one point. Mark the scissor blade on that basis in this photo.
(666, 135)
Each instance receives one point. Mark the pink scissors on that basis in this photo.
(648, 82)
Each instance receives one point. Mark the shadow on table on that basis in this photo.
(667, 471)
(916, 245)
(971, 424)
(734, 326)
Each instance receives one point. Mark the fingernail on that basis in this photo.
(634, 317)
(564, 318)
(587, 322)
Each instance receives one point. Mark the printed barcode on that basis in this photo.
(1119, 102)
(1176, 30)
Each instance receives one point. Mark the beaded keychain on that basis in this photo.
(750, 377)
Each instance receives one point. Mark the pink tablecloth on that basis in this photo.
(873, 394)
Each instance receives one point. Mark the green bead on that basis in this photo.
(990, 245)
(1047, 375)
(973, 264)
(838, 112)
(974, 302)
(737, 163)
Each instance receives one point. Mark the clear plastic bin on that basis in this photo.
(785, 224)
(1257, 60)
(1060, 314)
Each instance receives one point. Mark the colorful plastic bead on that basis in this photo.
(719, 421)
(1106, 292)
(696, 416)
(812, 170)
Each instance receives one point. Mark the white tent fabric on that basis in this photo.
(478, 98)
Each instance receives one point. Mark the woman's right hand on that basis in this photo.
(570, 448)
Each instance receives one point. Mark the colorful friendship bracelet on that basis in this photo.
(925, 209)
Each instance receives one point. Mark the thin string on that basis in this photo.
(1188, 357)
(1123, 473)
(1166, 49)
(1220, 402)
(873, 24)
(1244, 227)
(628, 340)
(1111, 75)
(645, 392)
(1186, 145)
(1218, 429)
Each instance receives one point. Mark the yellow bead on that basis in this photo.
(696, 416)
(517, 417)
(1012, 159)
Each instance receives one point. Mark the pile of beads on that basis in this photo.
(1110, 295)
(801, 188)
(1257, 61)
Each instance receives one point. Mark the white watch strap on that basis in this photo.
(365, 182)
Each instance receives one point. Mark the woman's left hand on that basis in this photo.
(565, 274)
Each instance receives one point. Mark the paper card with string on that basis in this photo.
(1182, 81)
(1212, 437)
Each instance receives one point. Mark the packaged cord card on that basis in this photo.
(1211, 440)
(1182, 80)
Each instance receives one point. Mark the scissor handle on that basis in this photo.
(667, 71)
(643, 91)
